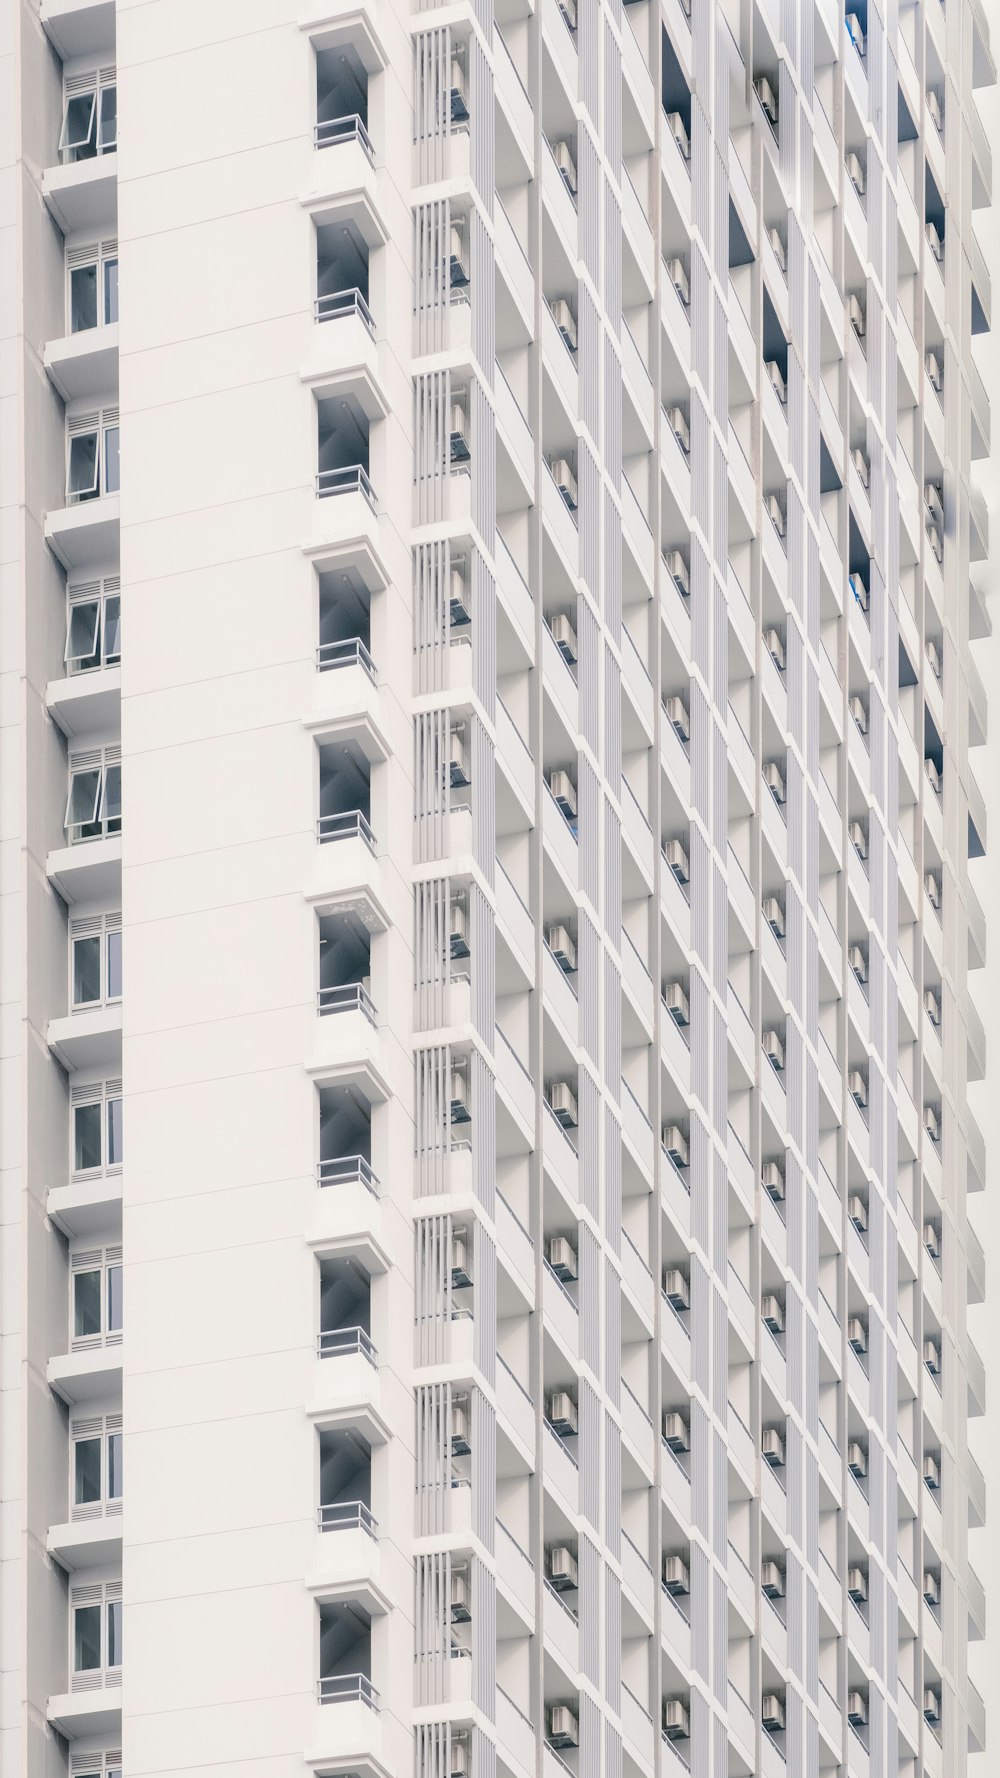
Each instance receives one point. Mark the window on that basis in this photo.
(97, 1127)
(94, 625)
(96, 1466)
(97, 1298)
(95, 972)
(94, 803)
(93, 286)
(90, 116)
(96, 1765)
(96, 1634)
(92, 462)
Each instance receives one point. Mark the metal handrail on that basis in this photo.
(348, 1688)
(343, 1342)
(335, 130)
(352, 997)
(351, 1169)
(351, 825)
(340, 303)
(352, 652)
(348, 1515)
(353, 478)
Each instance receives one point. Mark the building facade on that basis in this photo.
(486, 1019)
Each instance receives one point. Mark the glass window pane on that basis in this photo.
(86, 1304)
(81, 634)
(87, 1470)
(87, 970)
(114, 1466)
(112, 470)
(114, 1132)
(82, 298)
(114, 1633)
(114, 1299)
(78, 120)
(110, 292)
(113, 987)
(107, 130)
(81, 478)
(112, 628)
(86, 1638)
(84, 797)
(111, 802)
(87, 1137)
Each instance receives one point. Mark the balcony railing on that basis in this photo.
(350, 653)
(348, 1688)
(351, 1169)
(351, 825)
(352, 479)
(336, 130)
(348, 1515)
(342, 303)
(347, 1342)
(353, 997)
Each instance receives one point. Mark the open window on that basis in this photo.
(92, 457)
(90, 116)
(93, 625)
(94, 803)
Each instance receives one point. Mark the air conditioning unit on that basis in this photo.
(773, 1181)
(772, 1712)
(935, 371)
(460, 1612)
(458, 267)
(563, 1574)
(459, 1104)
(675, 1288)
(562, 1413)
(857, 1335)
(676, 1578)
(778, 249)
(676, 1433)
(679, 133)
(774, 780)
(564, 637)
(860, 714)
(859, 588)
(677, 859)
(856, 174)
(460, 1446)
(772, 1447)
(677, 568)
(565, 481)
(857, 316)
(459, 1763)
(678, 422)
(568, 10)
(565, 320)
(564, 792)
(564, 1730)
(561, 1255)
(772, 1314)
(458, 933)
(857, 1460)
(857, 1709)
(676, 1002)
(857, 1585)
(931, 1588)
(932, 1472)
(675, 1144)
(932, 1123)
(677, 272)
(458, 760)
(932, 1240)
(765, 93)
(676, 1719)
(566, 164)
(562, 1099)
(776, 380)
(677, 716)
(459, 93)
(774, 914)
(858, 962)
(774, 1050)
(933, 776)
(461, 1271)
(457, 429)
(932, 1357)
(857, 1209)
(855, 32)
(775, 648)
(562, 947)
(932, 1705)
(934, 110)
(858, 838)
(459, 612)
(862, 465)
(772, 1581)
(933, 657)
(776, 514)
(935, 242)
(933, 888)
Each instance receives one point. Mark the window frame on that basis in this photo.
(99, 85)
(100, 256)
(103, 1096)
(104, 1263)
(102, 595)
(103, 427)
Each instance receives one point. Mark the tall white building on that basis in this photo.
(485, 921)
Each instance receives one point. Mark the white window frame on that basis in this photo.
(93, 84)
(101, 424)
(103, 1260)
(103, 1093)
(103, 1593)
(101, 761)
(99, 593)
(99, 254)
(96, 1765)
(103, 1427)
(103, 927)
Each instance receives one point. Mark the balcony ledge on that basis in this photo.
(96, 1713)
(85, 536)
(88, 872)
(84, 194)
(83, 1376)
(87, 1039)
(80, 27)
(88, 1207)
(86, 703)
(84, 363)
(85, 1543)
